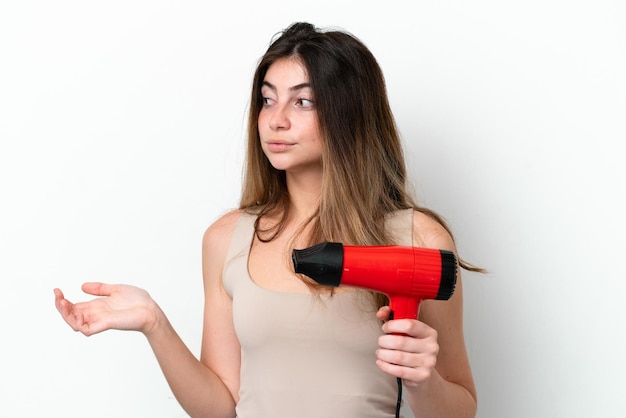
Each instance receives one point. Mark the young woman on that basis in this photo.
(324, 163)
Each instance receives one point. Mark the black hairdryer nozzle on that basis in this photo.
(323, 262)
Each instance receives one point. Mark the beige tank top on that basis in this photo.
(303, 356)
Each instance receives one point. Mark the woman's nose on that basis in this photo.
(279, 119)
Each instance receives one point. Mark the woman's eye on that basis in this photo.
(266, 100)
(304, 103)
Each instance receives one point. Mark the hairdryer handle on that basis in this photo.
(403, 307)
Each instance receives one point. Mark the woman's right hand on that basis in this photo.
(121, 307)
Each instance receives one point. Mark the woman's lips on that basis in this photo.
(279, 146)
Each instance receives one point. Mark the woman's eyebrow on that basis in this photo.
(293, 88)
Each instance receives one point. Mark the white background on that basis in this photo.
(122, 125)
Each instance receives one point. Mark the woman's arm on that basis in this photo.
(209, 387)
(220, 346)
(205, 387)
(432, 360)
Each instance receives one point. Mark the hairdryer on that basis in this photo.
(407, 275)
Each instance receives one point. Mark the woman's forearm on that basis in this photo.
(198, 389)
(439, 398)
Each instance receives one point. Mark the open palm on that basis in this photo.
(121, 307)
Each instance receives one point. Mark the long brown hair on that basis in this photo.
(364, 171)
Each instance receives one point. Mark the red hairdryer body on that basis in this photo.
(407, 275)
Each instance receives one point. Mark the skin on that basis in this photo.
(430, 357)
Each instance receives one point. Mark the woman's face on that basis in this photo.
(288, 124)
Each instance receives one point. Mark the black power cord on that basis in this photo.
(399, 402)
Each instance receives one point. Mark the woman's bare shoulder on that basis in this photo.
(430, 233)
(218, 234)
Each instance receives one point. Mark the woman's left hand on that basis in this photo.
(408, 349)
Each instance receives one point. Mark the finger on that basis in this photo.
(400, 342)
(58, 294)
(410, 376)
(88, 317)
(97, 288)
(73, 318)
(412, 327)
(397, 357)
(412, 359)
(383, 313)
(90, 323)
(409, 352)
(78, 316)
(63, 305)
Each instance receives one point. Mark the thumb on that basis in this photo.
(98, 289)
(383, 313)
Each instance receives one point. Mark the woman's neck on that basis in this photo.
(304, 195)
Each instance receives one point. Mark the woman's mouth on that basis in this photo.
(279, 146)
